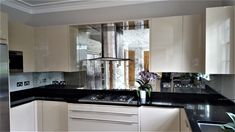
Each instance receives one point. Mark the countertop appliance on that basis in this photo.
(4, 89)
(16, 61)
(108, 98)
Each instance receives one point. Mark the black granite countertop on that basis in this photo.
(198, 107)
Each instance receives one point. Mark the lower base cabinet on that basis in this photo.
(54, 116)
(184, 123)
(88, 117)
(159, 119)
(40, 116)
(22, 118)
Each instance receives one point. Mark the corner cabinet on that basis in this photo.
(184, 123)
(220, 40)
(176, 44)
(3, 28)
(54, 116)
(156, 119)
(55, 48)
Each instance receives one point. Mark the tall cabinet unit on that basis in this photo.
(219, 40)
(176, 44)
(54, 48)
(3, 28)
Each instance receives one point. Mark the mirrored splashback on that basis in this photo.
(127, 42)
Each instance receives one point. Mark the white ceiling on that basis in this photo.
(48, 6)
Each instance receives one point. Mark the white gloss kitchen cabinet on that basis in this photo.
(55, 48)
(184, 125)
(220, 40)
(21, 38)
(3, 28)
(24, 117)
(90, 117)
(176, 44)
(40, 116)
(155, 119)
(54, 116)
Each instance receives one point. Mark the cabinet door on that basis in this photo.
(193, 47)
(184, 123)
(219, 40)
(3, 28)
(166, 44)
(52, 48)
(23, 117)
(54, 116)
(21, 38)
(159, 119)
(41, 49)
(58, 45)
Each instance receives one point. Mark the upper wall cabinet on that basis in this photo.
(3, 28)
(219, 40)
(193, 44)
(21, 38)
(55, 48)
(166, 44)
(176, 44)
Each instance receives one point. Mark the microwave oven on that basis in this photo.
(16, 61)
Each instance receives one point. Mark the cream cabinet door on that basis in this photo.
(193, 47)
(184, 125)
(54, 116)
(219, 40)
(58, 55)
(53, 49)
(156, 119)
(3, 28)
(41, 49)
(21, 38)
(166, 44)
(23, 117)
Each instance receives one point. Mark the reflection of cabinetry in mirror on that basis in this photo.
(113, 53)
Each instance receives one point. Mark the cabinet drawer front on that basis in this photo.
(76, 124)
(103, 108)
(128, 118)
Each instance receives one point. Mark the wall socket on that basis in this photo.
(19, 84)
(26, 83)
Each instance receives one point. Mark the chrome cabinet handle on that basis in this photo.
(104, 113)
(105, 121)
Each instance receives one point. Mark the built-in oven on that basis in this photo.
(16, 61)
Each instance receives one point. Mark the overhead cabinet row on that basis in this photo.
(51, 48)
(176, 44)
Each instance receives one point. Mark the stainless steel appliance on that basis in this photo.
(16, 61)
(107, 98)
(4, 91)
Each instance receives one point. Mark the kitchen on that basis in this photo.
(76, 65)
